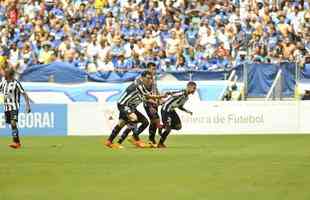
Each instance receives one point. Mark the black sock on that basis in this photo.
(115, 132)
(15, 135)
(164, 136)
(124, 135)
(140, 129)
(152, 132)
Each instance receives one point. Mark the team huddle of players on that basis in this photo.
(144, 90)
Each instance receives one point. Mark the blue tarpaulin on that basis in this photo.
(261, 76)
(305, 73)
(61, 72)
(260, 79)
(113, 76)
(288, 78)
(199, 75)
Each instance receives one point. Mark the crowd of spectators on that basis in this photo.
(103, 35)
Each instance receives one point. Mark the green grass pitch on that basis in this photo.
(265, 167)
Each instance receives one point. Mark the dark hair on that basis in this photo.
(150, 64)
(10, 71)
(191, 83)
(145, 73)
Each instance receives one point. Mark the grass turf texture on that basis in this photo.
(264, 167)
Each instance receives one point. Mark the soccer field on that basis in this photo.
(266, 167)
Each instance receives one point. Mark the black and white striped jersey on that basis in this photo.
(11, 90)
(134, 94)
(176, 100)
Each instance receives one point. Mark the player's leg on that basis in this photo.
(137, 130)
(154, 126)
(152, 112)
(176, 121)
(116, 131)
(166, 117)
(172, 121)
(132, 121)
(144, 124)
(123, 120)
(12, 119)
(126, 132)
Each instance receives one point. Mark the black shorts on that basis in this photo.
(11, 116)
(124, 111)
(171, 119)
(151, 111)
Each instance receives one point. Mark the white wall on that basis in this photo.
(209, 118)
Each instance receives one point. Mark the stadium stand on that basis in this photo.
(178, 35)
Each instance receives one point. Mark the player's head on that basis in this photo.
(151, 67)
(147, 78)
(191, 87)
(9, 73)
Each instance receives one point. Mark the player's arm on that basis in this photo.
(175, 93)
(27, 100)
(26, 97)
(185, 110)
(1, 87)
(147, 94)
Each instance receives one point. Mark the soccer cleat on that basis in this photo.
(108, 143)
(161, 146)
(117, 146)
(137, 143)
(140, 144)
(132, 140)
(15, 145)
(152, 145)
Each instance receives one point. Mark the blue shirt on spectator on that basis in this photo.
(191, 36)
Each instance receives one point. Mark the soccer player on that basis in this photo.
(170, 117)
(134, 95)
(151, 108)
(12, 89)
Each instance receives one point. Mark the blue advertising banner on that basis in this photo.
(45, 119)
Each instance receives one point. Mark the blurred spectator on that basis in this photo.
(107, 64)
(181, 64)
(46, 54)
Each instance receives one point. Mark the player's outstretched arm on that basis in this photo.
(157, 96)
(185, 110)
(27, 100)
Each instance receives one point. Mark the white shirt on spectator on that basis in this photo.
(105, 66)
(128, 50)
(223, 38)
(172, 46)
(140, 51)
(92, 50)
(207, 40)
(103, 52)
(14, 57)
(31, 10)
(234, 18)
